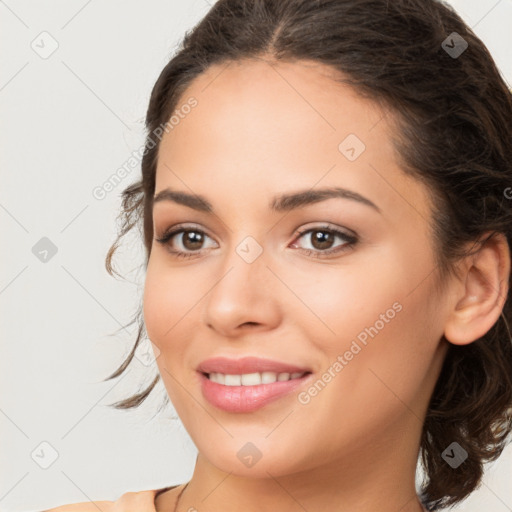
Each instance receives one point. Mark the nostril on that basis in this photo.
(251, 323)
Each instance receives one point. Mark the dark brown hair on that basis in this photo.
(454, 119)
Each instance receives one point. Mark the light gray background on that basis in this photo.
(68, 122)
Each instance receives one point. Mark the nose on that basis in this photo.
(244, 297)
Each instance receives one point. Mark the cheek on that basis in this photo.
(384, 361)
(383, 318)
(345, 299)
(165, 307)
(169, 295)
(152, 304)
(160, 307)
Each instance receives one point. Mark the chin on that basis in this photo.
(258, 458)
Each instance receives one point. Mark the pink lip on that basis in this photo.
(247, 398)
(247, 365)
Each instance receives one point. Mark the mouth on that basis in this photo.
(248, 384)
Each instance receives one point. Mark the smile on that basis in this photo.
(249, 392)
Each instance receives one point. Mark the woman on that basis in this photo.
(326, 204)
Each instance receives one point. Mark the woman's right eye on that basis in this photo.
(189, 239)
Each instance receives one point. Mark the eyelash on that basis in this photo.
(350, 240)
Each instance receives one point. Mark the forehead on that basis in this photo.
(260, 126)
(257, 106)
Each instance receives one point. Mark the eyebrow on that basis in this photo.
(281, 203)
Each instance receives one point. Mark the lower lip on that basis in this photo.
(246, 398)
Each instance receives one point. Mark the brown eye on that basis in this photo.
(189, 241)
(192, 240)
(322, 240)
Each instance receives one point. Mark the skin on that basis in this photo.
(261, 129)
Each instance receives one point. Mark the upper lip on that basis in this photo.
(247, 365)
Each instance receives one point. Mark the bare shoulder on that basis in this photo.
(143, 501)
(166, 498)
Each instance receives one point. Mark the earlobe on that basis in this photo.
(483, 292)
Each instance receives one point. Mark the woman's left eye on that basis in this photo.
(323, 239)
(192, 238)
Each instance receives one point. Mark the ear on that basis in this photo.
(481, 292)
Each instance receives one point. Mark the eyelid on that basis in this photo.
(183, 226)
(327, 226)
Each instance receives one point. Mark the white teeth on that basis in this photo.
(232, 380)
(268, 377)
(220, 378)
(252, 379)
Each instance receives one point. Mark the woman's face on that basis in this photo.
(357, 309)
